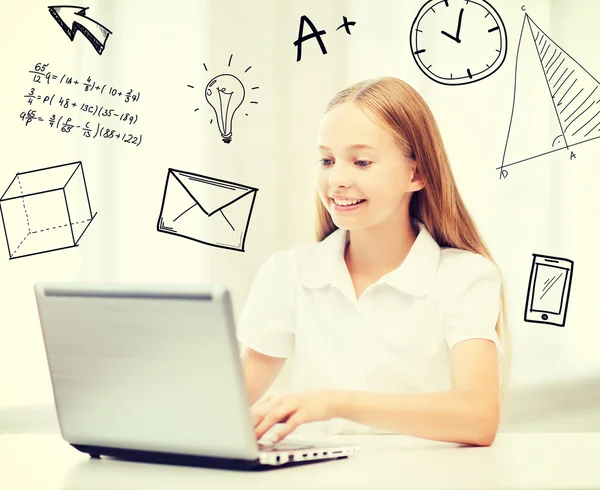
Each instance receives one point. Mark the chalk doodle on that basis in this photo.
(206, 210)
(73, 106)
(302, 38)
(456, 42)
(45, 210)
(548, 79)
(548, 290)
(225, 94)
(72, 19)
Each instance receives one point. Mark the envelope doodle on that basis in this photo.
(205, 209)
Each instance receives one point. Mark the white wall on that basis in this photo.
(545, 206)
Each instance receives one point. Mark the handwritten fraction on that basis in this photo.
(548, 81)
(225, 94)
(65, 113)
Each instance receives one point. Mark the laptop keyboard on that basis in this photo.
(282, 446)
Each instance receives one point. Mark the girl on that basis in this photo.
(395, 314)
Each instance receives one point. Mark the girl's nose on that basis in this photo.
(339, 175)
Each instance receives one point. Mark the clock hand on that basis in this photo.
(456, 38)
(450, 36)
(459, 25)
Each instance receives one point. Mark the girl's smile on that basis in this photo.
(346, 205)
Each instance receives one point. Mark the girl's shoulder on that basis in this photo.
(455, 262)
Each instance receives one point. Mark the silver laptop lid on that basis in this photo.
(149, 367)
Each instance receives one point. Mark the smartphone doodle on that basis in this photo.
(548, 290)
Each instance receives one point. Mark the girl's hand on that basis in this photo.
(292, 409)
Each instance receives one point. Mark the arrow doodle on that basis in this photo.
(69, 15)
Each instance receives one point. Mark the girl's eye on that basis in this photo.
(360, 163)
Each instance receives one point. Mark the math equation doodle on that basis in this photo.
(554, 90)
(225, 94)
(206, 210)
(81, 109)
(45, 210)
(72, 19)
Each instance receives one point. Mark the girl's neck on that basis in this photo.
(374, 252)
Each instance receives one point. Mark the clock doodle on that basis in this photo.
(455, 42)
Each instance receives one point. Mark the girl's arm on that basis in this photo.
(467, 414)
(260, 371)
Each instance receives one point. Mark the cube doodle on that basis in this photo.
(45, 210)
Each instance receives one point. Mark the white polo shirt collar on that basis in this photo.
(415, 276)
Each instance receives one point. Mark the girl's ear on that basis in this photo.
(417, 179)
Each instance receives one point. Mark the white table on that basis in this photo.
(514, 461)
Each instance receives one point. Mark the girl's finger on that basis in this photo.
(265, 399)
(280, 413)
(292, 422)
(258, 412)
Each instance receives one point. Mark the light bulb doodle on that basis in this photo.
(225, 93)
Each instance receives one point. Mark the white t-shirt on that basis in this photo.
(395, 338)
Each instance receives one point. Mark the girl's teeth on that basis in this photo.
(346, 202)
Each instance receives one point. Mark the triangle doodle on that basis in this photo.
(552, 87)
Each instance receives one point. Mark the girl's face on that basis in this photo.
(363, 180)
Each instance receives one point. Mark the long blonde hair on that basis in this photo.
(399, 108)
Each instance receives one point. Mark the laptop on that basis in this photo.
(152, 373)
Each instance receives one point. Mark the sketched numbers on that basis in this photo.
(302, 38)
(456, 42)
(72, 19)
(69, 107)
(206, 210)
(548, 290)
(45, 210)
